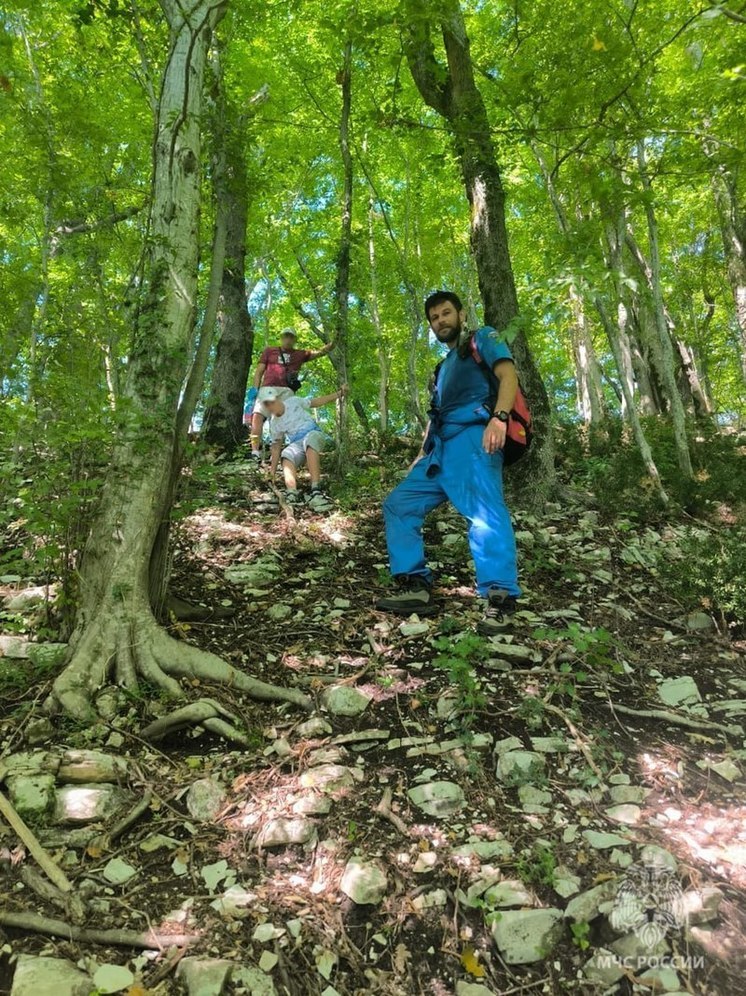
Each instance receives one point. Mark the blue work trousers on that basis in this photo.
(472, 481)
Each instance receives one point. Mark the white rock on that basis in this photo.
(603, 967)
(331, 778)
(519, 764)
(699, 620)
(484, 850)
(343, 700)
(268, 960)
(508, 743)
(509, 892)
(585, 906)
(430, 900)
(28, 598)
(702, 905)
(566, 882)
(524, 936)
(725, 768)
(472, 989)
(254, 981)
(426, 861)
(438, 798)
(79, 804)
(86, 766)
(234, 903)
(205, 799)
(364, 881)
(413, 628)
(640, 950)
(534, 800)
(281, 832)
(651, 854)
(313, 727)
(117, 871)
(36, 976)
(549, 745)
(624, 813)
(662, 978)
(679, 691)
(601, 841)
(32, 795)
(204, 976)
(312, 805)
(628, 793)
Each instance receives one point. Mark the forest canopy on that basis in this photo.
(596, 118)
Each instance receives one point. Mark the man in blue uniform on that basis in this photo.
(460, 461)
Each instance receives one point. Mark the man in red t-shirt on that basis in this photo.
(278, 367)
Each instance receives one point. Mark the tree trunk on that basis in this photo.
(678, 414)
(591, 403)
(384, 361)
(618, 337)
(452, 92)
(116, 634)
(223, 422)
(732, 215)
(342, 277)
(643, 446)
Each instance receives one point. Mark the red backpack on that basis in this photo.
(520, 422)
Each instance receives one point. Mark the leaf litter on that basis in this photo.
(550, 736)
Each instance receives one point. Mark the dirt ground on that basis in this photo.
(583, 663)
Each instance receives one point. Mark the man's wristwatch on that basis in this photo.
(501, 416)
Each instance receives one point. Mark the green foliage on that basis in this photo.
(590, 650)
(457, 657)
(19, 675)
(581, 931)
(708, 571)
(537, 866)
(532, 712)
(614, 473)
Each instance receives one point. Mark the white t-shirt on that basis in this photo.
(294, 422)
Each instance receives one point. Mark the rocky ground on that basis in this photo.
(558, 809)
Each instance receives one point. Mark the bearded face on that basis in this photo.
(446, 322)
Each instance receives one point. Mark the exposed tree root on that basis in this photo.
(672, 717)
(184, 611)
(130, 645)
(147, 940)
(204, 712)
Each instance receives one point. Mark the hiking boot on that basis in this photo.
(499, 607)
(319, 501)
(415, 596)
(293, 497)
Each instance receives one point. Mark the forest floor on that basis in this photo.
(493, 805)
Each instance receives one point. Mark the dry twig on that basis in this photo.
(53, 872)
(147, 940)
(384, 809)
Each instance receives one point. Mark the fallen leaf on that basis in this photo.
(598, 45)
(401, 957)
(470, 962)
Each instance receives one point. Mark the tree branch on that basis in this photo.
(431, 79)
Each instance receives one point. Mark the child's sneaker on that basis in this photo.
(415, 595)
(319, 501)
(500, 606)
